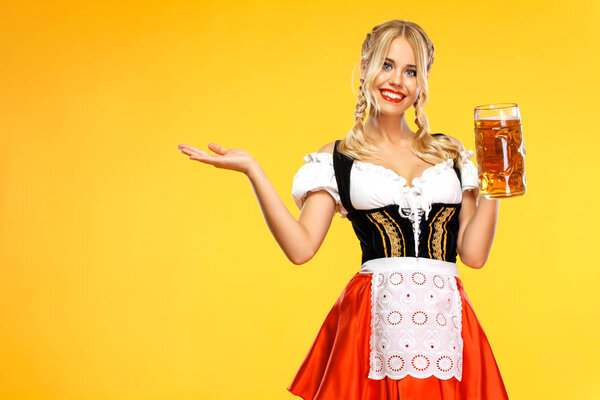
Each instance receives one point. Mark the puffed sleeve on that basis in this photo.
(469, 173)
(316, 174)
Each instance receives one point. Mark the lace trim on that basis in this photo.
(318, 157)
(469, 172)
(467, 154)
(458, 305)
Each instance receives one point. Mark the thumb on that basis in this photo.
(216, 148)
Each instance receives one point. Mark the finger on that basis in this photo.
(217, 149)
(190, 151)
(208, 159)
(192, 148)
(182, 146)
(185, 150)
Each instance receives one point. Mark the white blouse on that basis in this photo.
(374, 186)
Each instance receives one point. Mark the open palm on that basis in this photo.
(227, 158)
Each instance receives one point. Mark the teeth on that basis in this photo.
(392, 95)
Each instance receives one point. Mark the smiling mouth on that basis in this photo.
(391, 97)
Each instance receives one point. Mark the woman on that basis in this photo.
(403, 327)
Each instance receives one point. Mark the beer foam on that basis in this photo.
(499, 118)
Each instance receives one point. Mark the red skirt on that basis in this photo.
(337, 364)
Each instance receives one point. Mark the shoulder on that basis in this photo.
(328, 148)
(320, 158)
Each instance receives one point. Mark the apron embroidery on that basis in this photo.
(416, 322)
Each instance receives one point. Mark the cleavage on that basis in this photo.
(397, 174)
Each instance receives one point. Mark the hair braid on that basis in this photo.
(356, 140)
(361, 105)
(421, 119)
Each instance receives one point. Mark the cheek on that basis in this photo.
(378, 81)
(414, 89)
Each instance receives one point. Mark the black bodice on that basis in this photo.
(384, 232)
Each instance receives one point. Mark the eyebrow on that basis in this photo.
(392, 61)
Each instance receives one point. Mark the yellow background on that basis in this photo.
(131, 272)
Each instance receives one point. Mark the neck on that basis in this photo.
(389, 130)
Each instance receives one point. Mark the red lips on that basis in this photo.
(393, 91)
(391, 100)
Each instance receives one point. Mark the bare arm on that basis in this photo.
(299, 239)
(477, 229)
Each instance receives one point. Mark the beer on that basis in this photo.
(500, 151)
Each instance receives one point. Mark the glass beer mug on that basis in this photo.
(500, 150)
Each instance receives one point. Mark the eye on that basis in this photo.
(384, 64)
(413, 71)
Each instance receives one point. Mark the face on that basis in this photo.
(395, 87)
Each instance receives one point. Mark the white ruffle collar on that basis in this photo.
(319, 156)
(388, 173)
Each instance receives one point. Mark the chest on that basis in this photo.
(373, 186)
(401, 164)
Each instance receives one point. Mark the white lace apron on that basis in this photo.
(416, 318)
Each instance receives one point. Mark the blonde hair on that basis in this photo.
(432, 149)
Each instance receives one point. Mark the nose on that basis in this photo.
(397, 77)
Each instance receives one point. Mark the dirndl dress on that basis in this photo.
(403, 327)
(339, 361)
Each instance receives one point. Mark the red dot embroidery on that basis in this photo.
(421, 315)
(420, 277)
(394, 317)
(396, 278)
(454, 319)
(397, 358)
(440, 319)
(378, 362)
(420, 357)
(442, 358)
(377, 319)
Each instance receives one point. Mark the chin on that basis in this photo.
(392, 111)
